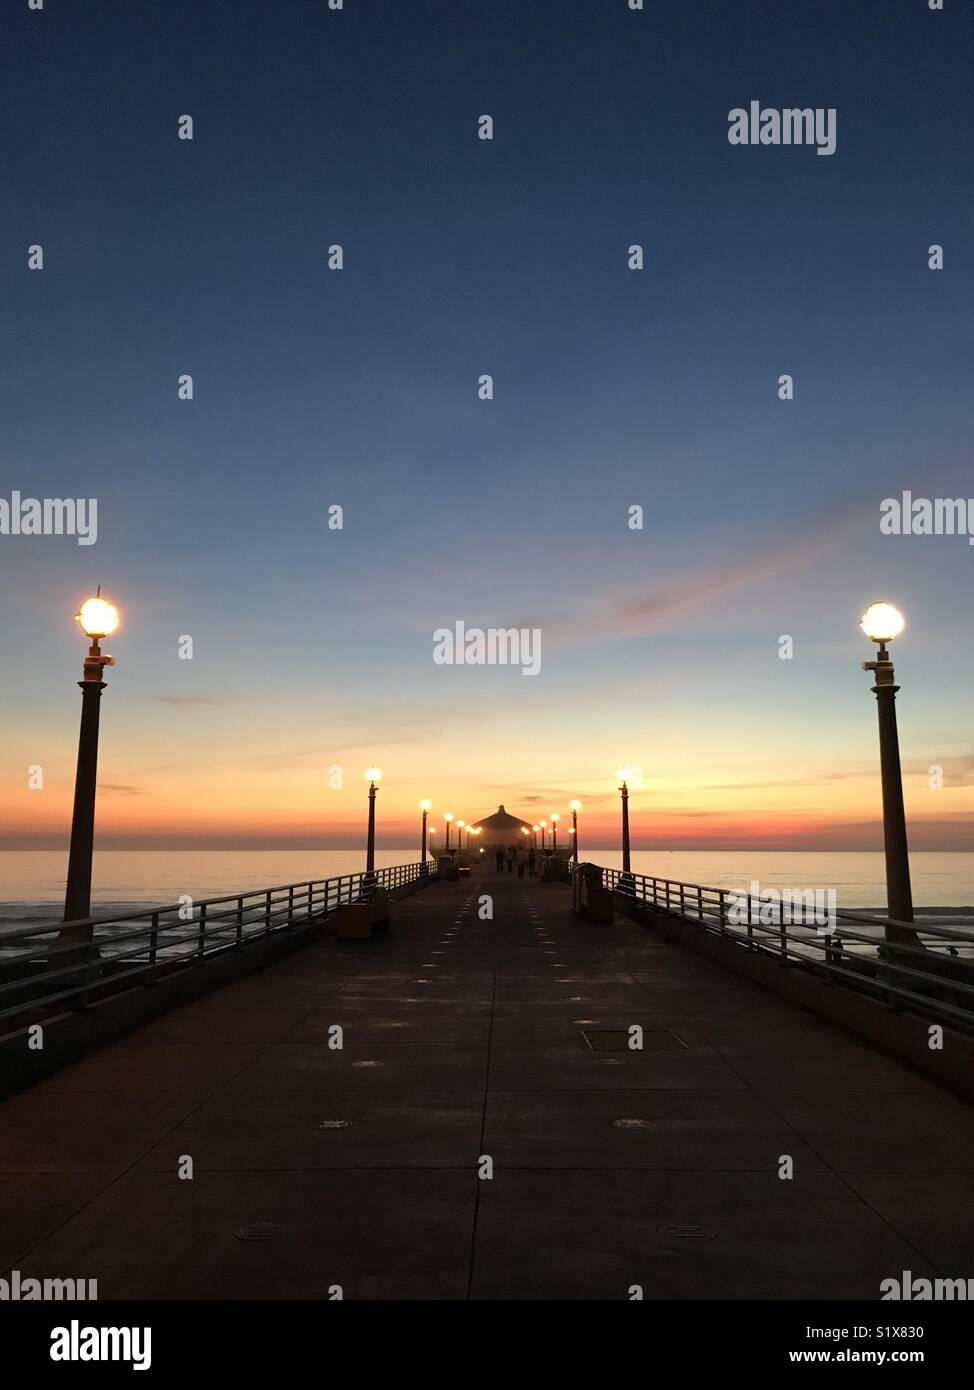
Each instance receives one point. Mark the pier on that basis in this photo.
(486, 1128)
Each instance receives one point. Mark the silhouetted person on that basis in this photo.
(532, 857)
(499, 856)
(522, 859)
(509, 856)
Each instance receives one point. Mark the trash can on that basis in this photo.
(446, 868)
(554, 869)
(590, 897)
(582, 875)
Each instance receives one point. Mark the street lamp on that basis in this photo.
(576, 806)
(555, 818)
(98, 618)
(881, 622)
(424, 806)
(374, 775)
(448, 818)
(544, 826)
(624, 775)
(535, 829)
(460, 825)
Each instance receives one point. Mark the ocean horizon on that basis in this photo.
(32, 881)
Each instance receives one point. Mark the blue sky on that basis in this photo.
(359, 387)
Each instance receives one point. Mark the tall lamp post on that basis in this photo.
(624, 792)
(448, 817)
(424, 806)
(576, 806)
(544, 826)
(460, 825)
(555, 818)
(534, 831)
(98, 619)
(881, 622)
(374, 775)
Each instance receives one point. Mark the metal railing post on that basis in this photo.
(239, 941)
(201, 948)
(154, 939)
(782, 936)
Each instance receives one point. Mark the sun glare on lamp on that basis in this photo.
(882, 622)
(98, 617)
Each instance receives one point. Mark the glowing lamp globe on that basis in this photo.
(882, 622)
(575, 805)
(374, 774)
(624, 774)
(424, 805)
(98, 617)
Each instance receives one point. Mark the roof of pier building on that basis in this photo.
(501, 828)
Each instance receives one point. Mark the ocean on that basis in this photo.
(32, 881)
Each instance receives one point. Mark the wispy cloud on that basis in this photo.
(191, 701)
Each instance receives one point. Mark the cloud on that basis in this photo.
(788, 781)
(624, 612)
(120, 788)
(188, 701)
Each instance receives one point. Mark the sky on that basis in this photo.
(612, 388)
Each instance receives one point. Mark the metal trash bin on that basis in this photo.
(583, 875)
(590, 897)
(554, 869)
(446, 868)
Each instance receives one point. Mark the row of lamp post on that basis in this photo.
(551, 823)
(98, 619)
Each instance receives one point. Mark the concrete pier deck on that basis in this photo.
(315, 1167)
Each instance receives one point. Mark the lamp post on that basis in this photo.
(576, 806)
(534, 831)
(448, 817)
(98, 619)
(460, 825)
(624, 792)
(881, 622)
(424, 806)
(374, 775)
(544, 826)
(555, 818)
